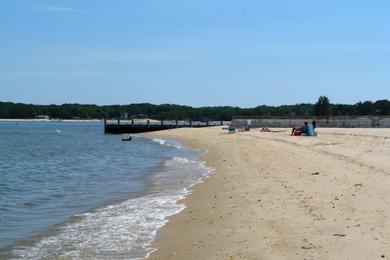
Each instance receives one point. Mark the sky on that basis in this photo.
(194, 52)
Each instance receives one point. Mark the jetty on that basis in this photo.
(135, 127)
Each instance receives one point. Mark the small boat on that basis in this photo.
(127, 139)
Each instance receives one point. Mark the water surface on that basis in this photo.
(68, 190)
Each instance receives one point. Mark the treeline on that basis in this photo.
(322, 107)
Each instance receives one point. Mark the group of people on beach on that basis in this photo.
(306, 129)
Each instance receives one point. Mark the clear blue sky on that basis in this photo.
(194, 52)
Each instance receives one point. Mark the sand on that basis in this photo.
(274, 196)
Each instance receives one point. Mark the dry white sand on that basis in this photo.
(274, 196)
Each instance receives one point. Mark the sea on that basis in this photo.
(68, 191)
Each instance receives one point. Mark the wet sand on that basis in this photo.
(274, 196)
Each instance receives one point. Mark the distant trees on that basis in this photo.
(322, 107)
(382, 107)
(365, 108)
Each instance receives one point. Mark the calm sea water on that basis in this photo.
(69, 191)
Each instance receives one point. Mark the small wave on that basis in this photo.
(159, 141)
(183, 161)
(167, 143)
(124, 230)
(183, 171)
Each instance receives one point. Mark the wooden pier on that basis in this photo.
(132, 127)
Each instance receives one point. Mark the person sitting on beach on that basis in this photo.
(314, 124)
(299, 130)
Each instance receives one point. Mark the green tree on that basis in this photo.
(321, 108)
(382, 107)
(365, 108)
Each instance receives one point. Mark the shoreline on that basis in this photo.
(53, 120)
(274, 196)
(75, 120)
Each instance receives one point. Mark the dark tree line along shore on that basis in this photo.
(322, 107)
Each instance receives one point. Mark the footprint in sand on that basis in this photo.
(307, 245)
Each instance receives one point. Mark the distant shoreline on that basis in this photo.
(78, 120)
(53, 120)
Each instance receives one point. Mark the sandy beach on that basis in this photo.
(274, 196)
